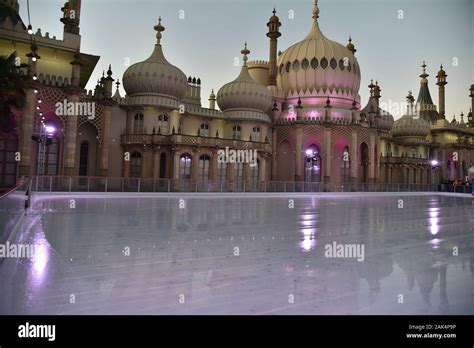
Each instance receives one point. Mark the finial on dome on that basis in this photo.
(315, 10)
(245, 52)
(424, 75)
(350, 46)
(159, 28)
(109, 72)
(274, 10)
(117, 83)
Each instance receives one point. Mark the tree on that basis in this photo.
(12, 91)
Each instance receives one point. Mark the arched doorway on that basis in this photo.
(163, 166)
(204, 165)
(312, 163)
(136, 165)
(345, 166)
(185, 163)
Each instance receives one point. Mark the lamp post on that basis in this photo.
(434, 165)
(44, 138)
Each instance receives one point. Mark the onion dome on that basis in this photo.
(155, 77)
(408, 125)
(244, 93)
(317, 67)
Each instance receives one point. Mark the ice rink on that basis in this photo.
(243, 255)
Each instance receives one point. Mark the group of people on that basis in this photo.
(458, 182)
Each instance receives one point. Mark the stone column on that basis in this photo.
(371, 176)
(175, 175)
(327, 154)
(354, 167)
(26, 131)
(104, 155)
(69, 154)
(156, 164)
(274, 156)
(195, 166)
(263, 168)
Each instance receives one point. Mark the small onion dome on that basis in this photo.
(407, 126)
(212, 96)
(441, 72)
(274, 18)
(155, 75)
(244, 92)
(350, 46)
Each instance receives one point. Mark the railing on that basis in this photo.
(456, 189)
(108, 185)
(12, 207)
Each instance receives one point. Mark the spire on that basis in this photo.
(159, 29)
(245, 52)
(424, 75)
(315, 11)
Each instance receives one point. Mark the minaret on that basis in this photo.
(273, 33)
(441, 83)
(71, 16)
(212, 100)
(410, 102)
(377, 92)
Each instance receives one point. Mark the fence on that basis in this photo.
(12, 207)
(105, 185)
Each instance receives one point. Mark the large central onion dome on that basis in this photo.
(319, 67)
(155, 76)
(244, 97)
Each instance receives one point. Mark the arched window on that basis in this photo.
(8, 164)
(396, 151)
(413, 153)
(255, 171)
(221, 171)
(185, 163)
(312, 164)
(237, 133)
(388, 150)
(136, 165)
(162, 166)
(345, 166)
(204, 165)
(238, 172)
(256, 134)
(164, 124)
(138, 124)
(84, 159)
(204, 130)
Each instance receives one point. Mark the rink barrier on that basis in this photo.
(138, 185)
(12, 208)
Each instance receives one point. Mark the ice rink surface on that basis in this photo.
(243, 255)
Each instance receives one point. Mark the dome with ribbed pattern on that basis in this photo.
(319, 67)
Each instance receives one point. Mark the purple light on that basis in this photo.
(50, 130)
(434, 163)
(309, 152)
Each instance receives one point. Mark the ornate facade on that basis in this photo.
(300, 111)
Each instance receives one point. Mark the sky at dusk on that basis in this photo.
(205, 42)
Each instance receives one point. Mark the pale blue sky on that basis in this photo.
(205, 42)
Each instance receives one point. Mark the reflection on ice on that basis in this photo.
(191, 251)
